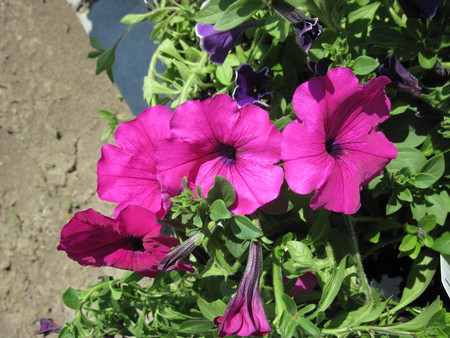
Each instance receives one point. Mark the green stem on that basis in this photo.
(277, 288)
(191, 78)
(357, 255)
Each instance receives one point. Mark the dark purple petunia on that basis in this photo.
(400, 77)
(219, 43)
(244, 315)
(48, 326)
(420, 9)
(307, 30)
(251, 86)
(133, 241)
(319, 68)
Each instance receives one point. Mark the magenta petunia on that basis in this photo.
(244, 315)
(127, 172)
(335, 147)
(303, 284)
(216, 137)
(132, 241)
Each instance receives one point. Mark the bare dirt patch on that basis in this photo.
(49, 148)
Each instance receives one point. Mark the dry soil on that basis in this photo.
(49, 146)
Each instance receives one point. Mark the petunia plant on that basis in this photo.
(290, 177)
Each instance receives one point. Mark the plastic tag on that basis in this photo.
(445, 273)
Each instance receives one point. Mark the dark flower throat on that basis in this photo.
(333, 147)
(136, 244)
(227, 152)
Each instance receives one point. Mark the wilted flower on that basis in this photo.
(219, 43)
(425, 9)
(132, 241)
(48, 326)
(303, 284)
(319, 68)
(307, 30)
(244, 315)
(251, 86)
(401, 78)
(173, 258)
(127, 172)
(334, 147)
(215, 137)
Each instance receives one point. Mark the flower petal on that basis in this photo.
(319, 97)
(307, 165)
(127, 173)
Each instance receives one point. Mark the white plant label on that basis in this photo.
(445, 273)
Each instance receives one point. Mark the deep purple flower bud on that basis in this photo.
(251, 86)
(219, 43)
(307, 30)
(244, 315)
(176, 256)
(48, 326)
(420, 9)
(401, 78)
(319, 68)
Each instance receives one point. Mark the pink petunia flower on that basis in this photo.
(303, 284)
(335, 147)
(215, 137)
(132, 241)
(127, 172)
(244, 315)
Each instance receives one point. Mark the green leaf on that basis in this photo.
(277, 27)
(116, 293)
(331, 288)
(423, 180)
(311, 329)
(407, 158)
(405, 195)
(130, 19)
(211, 310)
(437, 207)
(96, 44)
(365, 12)
(435, 166)
(394, 204)
(222, 190)
(218, 210)
(427, 222)
(212, 11)
(243, 228)
(167, 47)
(106, 61)
(196, 326)
(427, 59)
(442, 243)
(320, 227)
(224, 73)
(236, 246)
(300, 253)
(238, 12)
(421, 321)
(70, 298)
(419, 277)
(408, 243)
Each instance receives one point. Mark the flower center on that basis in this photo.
(227, 152)
(333, 147)
(136, 244)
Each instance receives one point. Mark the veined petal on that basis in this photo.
(307, 165)
(315, 100)
(137, 222)
(127, 172)
(254, 136)
(340, 193)
(209, 121)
